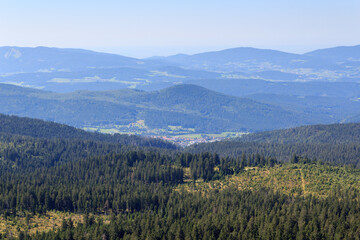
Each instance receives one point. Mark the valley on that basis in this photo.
(179, 120)
(58, 181)
(188, 108)
(233, 90)
(66, 70)
(176, 134)
(236, 144)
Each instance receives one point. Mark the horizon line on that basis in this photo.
(216, 49)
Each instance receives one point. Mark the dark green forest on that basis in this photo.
(335, 143)
(117, 187)
(332, 133)
(50, 130)
(348, 154)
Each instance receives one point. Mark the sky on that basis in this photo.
(143, 28)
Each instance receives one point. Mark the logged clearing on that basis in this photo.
(26, 222)
(290, 179)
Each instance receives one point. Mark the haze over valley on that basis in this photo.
(234, 91)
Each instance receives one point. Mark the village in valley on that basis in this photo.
(176, 134)
(187, 141)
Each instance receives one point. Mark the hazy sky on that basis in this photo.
(142, 28)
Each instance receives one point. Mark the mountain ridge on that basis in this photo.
(188, 106)
(67, 69)
(339, 51)
(27, 59)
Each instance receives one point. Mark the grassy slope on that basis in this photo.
(291, 179)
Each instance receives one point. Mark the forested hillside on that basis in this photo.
(347, 154)
(26, 154)
(335, 143)
(333, 133)
(27, 144)
(148, 195)
(49, 130)
(64, 183)
(185, 106)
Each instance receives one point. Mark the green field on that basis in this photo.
(140, 128)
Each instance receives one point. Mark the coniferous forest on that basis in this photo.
(58, 182)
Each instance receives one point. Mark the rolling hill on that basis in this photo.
(346, 54)
(251, 60)
(277, 89)
(239, 59)
(186, 106)
(29, 144)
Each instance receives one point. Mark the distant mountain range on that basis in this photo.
(274, 89)
(66, 70)
(44, 59)
(348, 55)
(245, 59)
(251, 60)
